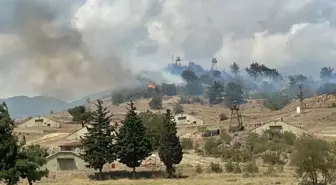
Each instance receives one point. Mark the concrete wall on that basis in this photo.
(65, 161)
(40, 122)
(282, 126)
(185, 119)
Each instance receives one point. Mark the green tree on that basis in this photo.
(133, 143)
(178, 109)
(189, 76)
(215, 93)
(235, 69)
(314, 160)
(153, 123)
(80, 114)
(30, 161)
(117, 98)
(233, 92)
(99, 141)
(206, 79)
(156, 102)
(9, 149)
(326, 73)
(170, 150)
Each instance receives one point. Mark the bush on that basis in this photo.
(236, 168)
(215, 168)
(184, 100)
(186, 143)
(251, 167)
(178, 109)
(211, 147)
(270, 171)
(225, 137)
(196, 99)
(272, 158)
(275, 101)
(333, 105)
(229, 167)
(156, 102)
(223, 117)
(199, 169)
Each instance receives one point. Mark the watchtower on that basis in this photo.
(236, 115)
(214, 64)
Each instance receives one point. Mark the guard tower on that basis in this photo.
(214, 64)
(236, 115)
(300, 96)
(178, 61)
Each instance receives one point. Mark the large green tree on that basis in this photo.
(233, 92)
(170, 149)
(189, 76)
(235, 69)
(215, 93)
(9, 149)
(133, 143)
(31, 159)
(99, 141)
(80, 114)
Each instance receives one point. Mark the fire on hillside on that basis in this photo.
(151, 86)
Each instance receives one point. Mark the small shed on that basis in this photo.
(40, 121)
(65, 161)
(185, 119)
(281, 126)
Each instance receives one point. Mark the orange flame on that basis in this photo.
(151, 86)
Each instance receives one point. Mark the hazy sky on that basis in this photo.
(71, 48)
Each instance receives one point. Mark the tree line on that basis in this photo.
(131, 142)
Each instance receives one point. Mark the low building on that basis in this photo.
(40, 121)
(65, 161)
(185, 119)
(281, 126)
(68, 158)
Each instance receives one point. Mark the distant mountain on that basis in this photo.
(23, 106)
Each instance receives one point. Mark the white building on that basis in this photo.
(185, 119)
(40, 121)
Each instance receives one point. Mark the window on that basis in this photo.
(182, 118)
(275, 127)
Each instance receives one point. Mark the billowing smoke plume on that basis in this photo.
(71, 48)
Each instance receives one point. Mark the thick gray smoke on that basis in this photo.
(72, 48)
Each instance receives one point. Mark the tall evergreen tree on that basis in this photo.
(133, 143)
(99, 141)
(8, 148)
(235, 69)
(170, 149)
(30, 161)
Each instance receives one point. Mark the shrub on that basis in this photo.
(196, 99)
(272, 158)
(199, 169)
(289, 138)
(178, 109)
(184, 100)
(223, 117)
(215, 168)
(228, 167)
(270, 171)
(187, 143)
(333, 105)
(225, 137)
(156, 102)
(211, 147)
(251, 167)
(236, 168)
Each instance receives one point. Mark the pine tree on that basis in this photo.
(99, 141)
(170, 149)
(30, 161)
(8, 148)
(133, 143)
